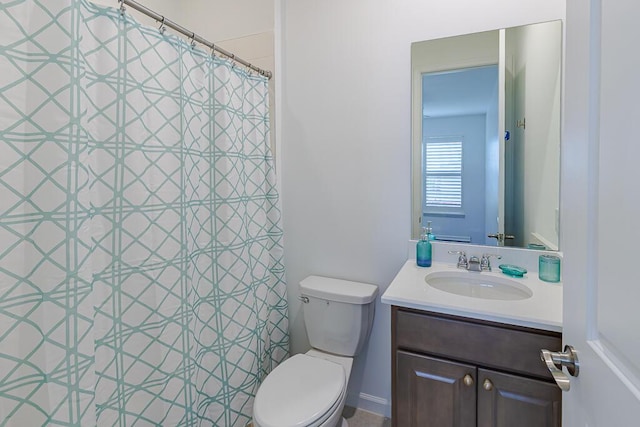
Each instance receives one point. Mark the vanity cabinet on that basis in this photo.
(453, 371)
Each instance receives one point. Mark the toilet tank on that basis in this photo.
(338, 314)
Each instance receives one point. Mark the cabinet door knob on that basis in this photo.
(468, 380)
(487, 385)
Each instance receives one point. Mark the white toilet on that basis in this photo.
(309, 390)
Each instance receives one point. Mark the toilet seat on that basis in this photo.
(303, 391)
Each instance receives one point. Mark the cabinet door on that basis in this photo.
(432, 392)
(508, 400)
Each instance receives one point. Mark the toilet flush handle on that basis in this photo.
(304, 299)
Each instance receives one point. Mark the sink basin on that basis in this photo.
(478, 285)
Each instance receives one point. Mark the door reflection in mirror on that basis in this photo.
(460, 109)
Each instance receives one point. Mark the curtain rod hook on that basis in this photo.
(162, 27)
(193, 40)
(122, 8)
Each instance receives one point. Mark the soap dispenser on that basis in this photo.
(423, 249)
(430, 235)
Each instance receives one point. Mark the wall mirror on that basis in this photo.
(486, 136)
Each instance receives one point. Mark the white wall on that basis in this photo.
(346, 144)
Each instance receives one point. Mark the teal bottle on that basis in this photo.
(423, 249)
(430, 235)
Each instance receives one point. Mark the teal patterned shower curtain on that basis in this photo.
(141, 274)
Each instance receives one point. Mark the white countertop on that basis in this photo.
(543, 310)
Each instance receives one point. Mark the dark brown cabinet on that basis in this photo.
(459, 372)
(508, 400)
(432, 392)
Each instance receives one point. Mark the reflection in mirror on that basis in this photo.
(486, 136)
(460, 145)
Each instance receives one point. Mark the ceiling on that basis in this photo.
(459, 92)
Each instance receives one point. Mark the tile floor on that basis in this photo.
(359, 418)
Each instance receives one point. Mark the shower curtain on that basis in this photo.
(141, 275)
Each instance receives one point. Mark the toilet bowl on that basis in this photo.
(309, 390)
(313, 386)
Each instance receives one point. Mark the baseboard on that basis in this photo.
(367, 402)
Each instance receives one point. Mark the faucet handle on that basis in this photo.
(462, 259)
(485, 263)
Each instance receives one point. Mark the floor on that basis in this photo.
(359, 418)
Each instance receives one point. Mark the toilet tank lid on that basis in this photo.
(338, 290)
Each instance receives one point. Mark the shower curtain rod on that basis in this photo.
(193, 36)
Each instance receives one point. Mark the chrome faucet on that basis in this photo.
(485, 263)
(473, 263)
(462, 259)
